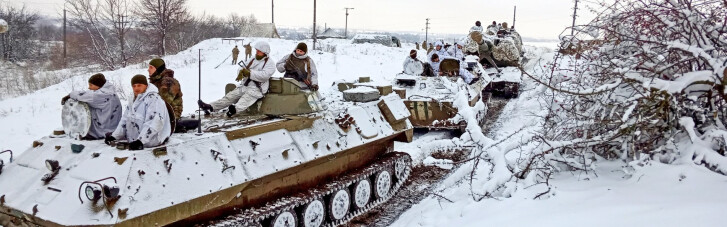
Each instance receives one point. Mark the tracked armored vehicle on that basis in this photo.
(431, 100)
(286, 163)
(503, 49)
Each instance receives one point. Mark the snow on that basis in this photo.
(656, 195)
(361, 90)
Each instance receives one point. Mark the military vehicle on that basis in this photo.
(386, 40)
(504, 50)
(431, 100)
(287, 162)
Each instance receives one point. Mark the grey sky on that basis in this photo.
(535, 18)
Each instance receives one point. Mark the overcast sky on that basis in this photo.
(535, 18)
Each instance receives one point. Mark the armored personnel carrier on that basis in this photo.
(504, 50)
(288, 162)
(431, 100)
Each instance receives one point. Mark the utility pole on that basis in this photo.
(426, 34)
(314, 24)
(573, 26)
(64, 36)
(122, 32)
(272, 8)
(514, 10)
(345, 33)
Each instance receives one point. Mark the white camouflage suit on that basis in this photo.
(244, 96)
(105, 109)
(413, 66)
(146, 118)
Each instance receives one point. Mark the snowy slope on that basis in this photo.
(33, 116)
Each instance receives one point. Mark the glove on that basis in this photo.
(64, 99)
(243, 73)
(109, 139)
(136, 145)
(314, 87)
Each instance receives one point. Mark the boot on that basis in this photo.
(204, 106)
(231, 111)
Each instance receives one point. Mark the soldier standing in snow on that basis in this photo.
(104, 104)
(145, 121)
(417, 45)
(412, 65)
(424, 45)
(431, 48)
(235, 52)
(255, 82)
(300, 66)
(248, 51)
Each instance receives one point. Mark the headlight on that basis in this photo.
(111, 191)
(93, 193)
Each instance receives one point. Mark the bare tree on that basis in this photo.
(105, 25)
(163, 17)
(18, 43)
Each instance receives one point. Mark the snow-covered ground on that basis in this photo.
(653, 195)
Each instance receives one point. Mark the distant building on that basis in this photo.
(266, 30)
(330, 33)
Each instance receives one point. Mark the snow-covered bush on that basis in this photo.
(652, 88)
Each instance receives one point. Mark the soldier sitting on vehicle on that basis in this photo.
(412, 65)
(171, 92)
(300, 66)
(455, 51)
(434, 63)
(104, 105)
(254, 78)
(441, 52)
(145, 121)
(477, 27)
(504, 30)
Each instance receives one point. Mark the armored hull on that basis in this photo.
(320, 168)
(430, 100)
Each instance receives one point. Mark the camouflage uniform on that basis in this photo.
(169, 90)
(248, 51)
(235, 52)
(417, 44)
(424, 45)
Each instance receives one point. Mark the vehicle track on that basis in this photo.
(423, 179)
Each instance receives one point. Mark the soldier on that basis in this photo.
(438, 50)
(412, 65)
(434, 62)
(168, 87)
(248, 51)
(424, 45)
(431, 48)
(235, 52)
(503, 30)
(104, 104)
(417, 45)
(145, 121)
(254, 78)
(477, 27)
(455, 51)
(300, 66)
